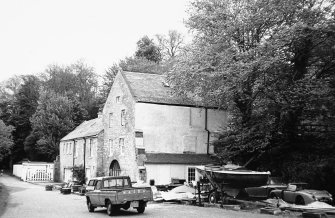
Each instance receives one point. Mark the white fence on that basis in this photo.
(34, 171)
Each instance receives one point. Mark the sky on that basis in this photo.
(37, 33)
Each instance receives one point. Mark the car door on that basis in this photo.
(289, 196)
(95, 194)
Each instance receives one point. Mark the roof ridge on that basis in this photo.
(143, 73)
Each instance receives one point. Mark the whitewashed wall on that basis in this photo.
(34, 171)
(177, 129)
(162, 173)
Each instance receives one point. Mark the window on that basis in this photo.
(70, 148)
(75, 149)
(98, 185)
(110, 146)
(121, 145)
(123, 117)
(91, 182)
(191, 174)
(139, 139)
(110, 119)
(117, 99)
(64, 145)
(90, 149)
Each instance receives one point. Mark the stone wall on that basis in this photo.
(120, 99)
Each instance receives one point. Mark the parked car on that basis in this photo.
(296, 193)
(263, 192)
(115, 193)
(91, 184)
(67, 188)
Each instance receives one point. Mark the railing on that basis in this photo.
(39, 175)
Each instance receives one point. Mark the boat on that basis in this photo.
(234, 176)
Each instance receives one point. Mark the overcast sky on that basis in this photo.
(37, 33)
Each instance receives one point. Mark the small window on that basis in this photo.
(117, 99)
(110, 119)
(110, 145)
(75, 149)
(91, 145)
(123, 117)
(121, 145)
(191, 174)
(126, 184)
(139, 139)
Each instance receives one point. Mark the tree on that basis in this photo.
(24, 106)
(77, 81)
(269, 64)
(146, 48)
(108, 80)
(51, 122)
(6, 141)
(141, 65)
(171, 44)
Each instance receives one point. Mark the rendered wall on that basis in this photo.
(177, 129)
(162, 173)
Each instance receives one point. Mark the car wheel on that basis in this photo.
(141, 208)
(212, 199)
(126, 206)
(109, 208)
(90, 206)
(299, 201)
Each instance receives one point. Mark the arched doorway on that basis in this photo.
(114, 168)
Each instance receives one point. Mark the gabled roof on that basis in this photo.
(87, 128)
(167, 158)
(153, 88)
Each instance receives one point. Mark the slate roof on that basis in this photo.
(87, 128)
(167, 158)
(152, 88)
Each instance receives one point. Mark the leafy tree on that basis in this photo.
(108, 80)
(86, 85)
(141, 65)
(146, 48)
(6, 142)
(60, 80)
(77, 81)
(24, 106)
(171, 44)
(52, 121)
(270, 64)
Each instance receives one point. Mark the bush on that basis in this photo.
(79, 174)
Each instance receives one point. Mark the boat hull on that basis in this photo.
(234, 178)
(240, 180)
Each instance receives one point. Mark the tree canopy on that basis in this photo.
(271, 65)
(146, 48)
(6, 140)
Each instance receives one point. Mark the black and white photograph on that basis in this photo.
(167, 108)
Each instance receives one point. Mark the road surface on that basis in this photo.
(22, 199)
